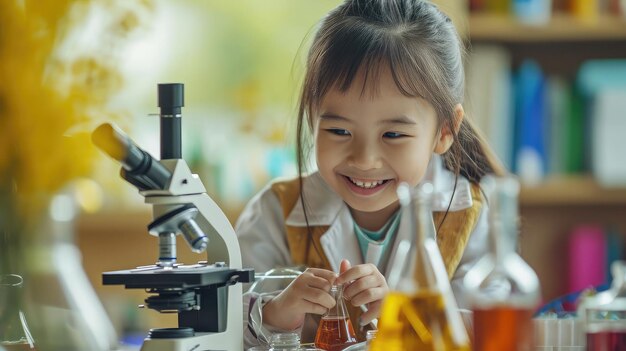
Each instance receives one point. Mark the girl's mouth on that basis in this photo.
(365, 187)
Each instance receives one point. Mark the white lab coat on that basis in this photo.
(261, 233)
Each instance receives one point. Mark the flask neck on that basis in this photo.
(425, 231)
(502, 242)
(339, 310)
(503, 219)
(418, 210)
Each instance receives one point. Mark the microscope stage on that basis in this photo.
(180, 277)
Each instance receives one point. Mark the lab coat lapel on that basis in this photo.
(340, 242)
(326, 208)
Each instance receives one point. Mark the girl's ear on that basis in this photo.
(445, 137)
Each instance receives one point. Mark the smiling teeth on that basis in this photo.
(366, 185)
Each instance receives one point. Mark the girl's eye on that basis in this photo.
(338, 131)
(393, 135)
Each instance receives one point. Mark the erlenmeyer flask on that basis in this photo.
(605, 314)
(420, 312)
(63, 309)
(14, 331)
(503, 288)
(335, 331)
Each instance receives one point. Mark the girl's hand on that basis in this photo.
(309, 293)
(363, 285)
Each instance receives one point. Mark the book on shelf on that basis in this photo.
(489, 97)
(542, 125)
(592, 249)
(526, 9)
(529, 140)
(602, 84)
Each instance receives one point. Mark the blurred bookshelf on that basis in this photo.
(561, 28)
(572, 190)
(571, 195)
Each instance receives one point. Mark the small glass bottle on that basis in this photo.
(285, 342)
(420, 312)
(335, 331)
(503, 289)
(605, 314)
(371, 335)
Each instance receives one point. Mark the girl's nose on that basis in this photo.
(364, 156)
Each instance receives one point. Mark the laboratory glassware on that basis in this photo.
(420, 312)
(14, 332)
(335, 331)
(605, 314)
(503, 289)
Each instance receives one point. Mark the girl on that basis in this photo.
(382, 98)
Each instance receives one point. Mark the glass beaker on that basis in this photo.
(285, 342)
(335, 331)
(503, 289)
(606, 314)
(14, 332)
(420, 312)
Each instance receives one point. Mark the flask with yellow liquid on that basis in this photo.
(420, 312)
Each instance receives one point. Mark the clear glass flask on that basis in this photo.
(605, 314)
(335, 331)
(64, 312)
(14, 331)
(420, 312)
(503, 289)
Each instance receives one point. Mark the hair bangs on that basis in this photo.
(370, 50)
(357, 47)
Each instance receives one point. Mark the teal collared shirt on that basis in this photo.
(381, 237)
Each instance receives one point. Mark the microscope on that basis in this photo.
(206, 296)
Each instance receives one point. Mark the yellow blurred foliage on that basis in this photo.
(46, 100)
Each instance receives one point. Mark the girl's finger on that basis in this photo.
(364, 283)
(317, 282)
(371, 314)
(356, 272)
(368, 296)
(344, 265)
(322, 273)
(314, 295)
(312, 307)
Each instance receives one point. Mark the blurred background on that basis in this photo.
(546, 82)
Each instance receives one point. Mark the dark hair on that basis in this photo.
(419, 45)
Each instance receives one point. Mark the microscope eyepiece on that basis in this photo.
(171, 99)
(139, 167)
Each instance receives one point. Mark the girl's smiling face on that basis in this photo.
(370, 138)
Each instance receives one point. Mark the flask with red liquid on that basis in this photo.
(605, 314)
(503, 289)
(335, 331)
(420, 312)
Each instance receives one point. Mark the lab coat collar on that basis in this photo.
(324, 206)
